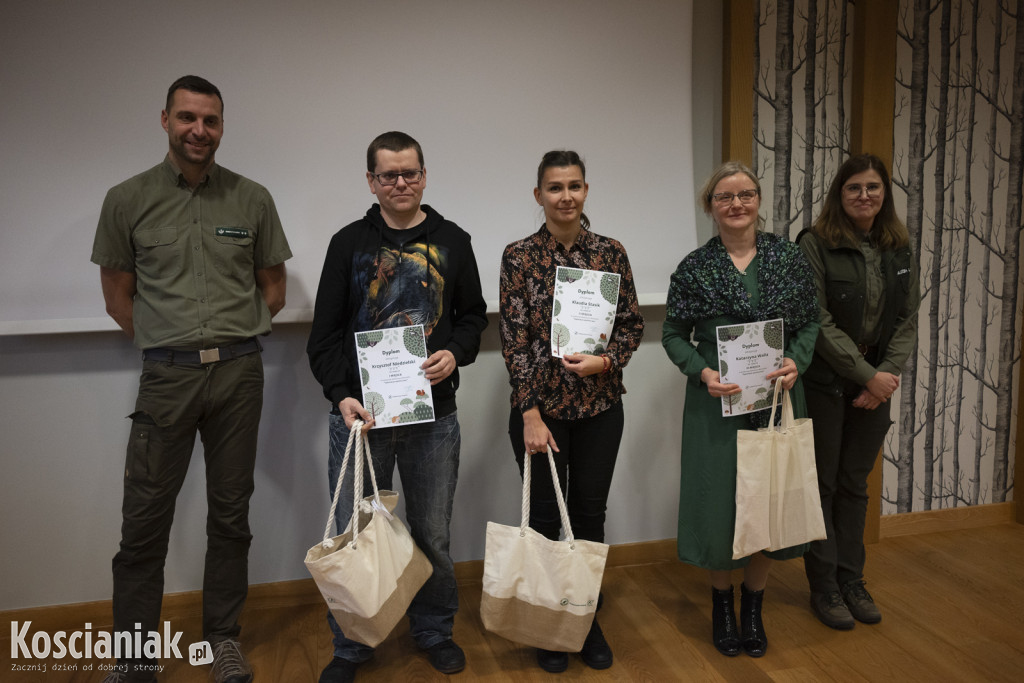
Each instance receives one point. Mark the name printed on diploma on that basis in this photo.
(747, 352)
(396, 390)
(583, 310)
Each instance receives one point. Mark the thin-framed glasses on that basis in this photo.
(391, 178)
(854, 190)
(725, 198)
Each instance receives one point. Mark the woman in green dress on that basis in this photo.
(740, 275)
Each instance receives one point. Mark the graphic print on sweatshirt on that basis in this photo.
(403, 286)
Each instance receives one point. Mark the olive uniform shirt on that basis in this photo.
(194, 254)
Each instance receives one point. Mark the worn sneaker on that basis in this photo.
(229, 664)
(832, 611)
(339, 670)
(447, 657)
(861, 604)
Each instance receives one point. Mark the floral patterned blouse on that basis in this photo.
(527, 285)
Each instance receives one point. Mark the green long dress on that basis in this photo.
(707, 491)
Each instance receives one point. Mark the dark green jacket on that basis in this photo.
(840, 274)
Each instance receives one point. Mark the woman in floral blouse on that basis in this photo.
(572, 404)
(740, 275)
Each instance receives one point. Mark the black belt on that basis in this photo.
(203, 356)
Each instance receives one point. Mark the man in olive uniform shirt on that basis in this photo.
(191, 260)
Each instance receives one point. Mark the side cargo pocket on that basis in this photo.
(140, 443)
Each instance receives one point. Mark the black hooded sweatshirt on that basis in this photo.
(376, 277)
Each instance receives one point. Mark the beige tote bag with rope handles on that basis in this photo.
(777, 500)
(537, 591)
(369, 574)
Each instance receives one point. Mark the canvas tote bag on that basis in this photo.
(537, 591)
(777, 501)
(370, 573)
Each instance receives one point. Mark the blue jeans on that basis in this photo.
(428, 463)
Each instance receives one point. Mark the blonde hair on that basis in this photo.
(727, 169)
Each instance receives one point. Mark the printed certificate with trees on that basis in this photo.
(746, 354)
(396, 390)
(583, 310)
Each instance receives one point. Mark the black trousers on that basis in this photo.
(846, 444)
(585, 462)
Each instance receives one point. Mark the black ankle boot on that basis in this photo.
(596, 653)
(755, 642)
(723, 623)
(551, 661)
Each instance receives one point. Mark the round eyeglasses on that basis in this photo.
(854, 190)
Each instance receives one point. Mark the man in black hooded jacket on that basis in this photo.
(401, 264)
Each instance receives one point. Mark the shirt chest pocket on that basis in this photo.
(157, 251)
(232, 248)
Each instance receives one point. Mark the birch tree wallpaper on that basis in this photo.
(958, 154)
(801, 92)
(957, 170)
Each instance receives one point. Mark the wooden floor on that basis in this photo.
(953, 606)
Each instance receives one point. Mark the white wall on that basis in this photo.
(62, 406)
(486, 87)
(63, 398)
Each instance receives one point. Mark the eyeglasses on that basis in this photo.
(871, 189)
(391, 178)
(725, 198)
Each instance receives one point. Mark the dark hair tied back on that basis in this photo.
(563, 158)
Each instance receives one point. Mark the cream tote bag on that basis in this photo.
(537, 591)
(777, 501)
(370, 573)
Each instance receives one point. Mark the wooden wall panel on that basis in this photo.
(873, 93)
(738, 77)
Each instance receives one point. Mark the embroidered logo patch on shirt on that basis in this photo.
(232, 232)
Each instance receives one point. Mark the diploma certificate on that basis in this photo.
(395, 390)
(746, 353)
(583, 310)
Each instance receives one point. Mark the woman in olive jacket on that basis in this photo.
(869, 294)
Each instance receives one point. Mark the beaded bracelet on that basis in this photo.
(607, 364)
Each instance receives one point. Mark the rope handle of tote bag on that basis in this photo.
(527, 476)
(362, 447)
